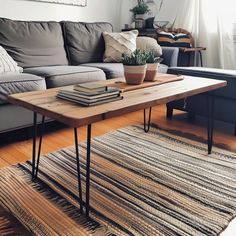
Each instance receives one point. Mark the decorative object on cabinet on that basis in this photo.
(183, 39)
(140, 11)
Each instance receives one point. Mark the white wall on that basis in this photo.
(125, 14)
(114, 11)
(96, 10)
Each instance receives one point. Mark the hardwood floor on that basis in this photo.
(21, 151)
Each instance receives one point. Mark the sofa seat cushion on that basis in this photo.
(19, 83)
(57, 76)
(212, 73)
(115, 70)
(112, 70)
(33, 43)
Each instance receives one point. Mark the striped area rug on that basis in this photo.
(141, 184)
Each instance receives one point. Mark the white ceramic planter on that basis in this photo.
(134, 74)
(151, 71)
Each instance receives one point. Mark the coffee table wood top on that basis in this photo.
(46, 103)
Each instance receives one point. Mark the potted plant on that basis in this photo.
(140, 10)
(152, 66)
(134, 66)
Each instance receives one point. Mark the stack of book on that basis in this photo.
(90, 94)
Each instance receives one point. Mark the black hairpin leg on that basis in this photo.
(210, 122)
(40, 145)
(89, 128)
(35, 163)
(34, 145)
(200, 55)
(146, 126)
(78, 169)
(189, 58)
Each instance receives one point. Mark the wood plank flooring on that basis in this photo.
(21, 151)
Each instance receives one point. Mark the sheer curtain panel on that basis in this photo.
(211, 23)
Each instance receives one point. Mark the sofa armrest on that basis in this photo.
(211, 73)
(170, 56)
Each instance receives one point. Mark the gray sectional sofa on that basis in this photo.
(55, 54)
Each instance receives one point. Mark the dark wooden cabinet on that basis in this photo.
(187, 56)
(148, 32)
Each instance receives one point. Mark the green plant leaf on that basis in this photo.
(141, 8)
(136, 58)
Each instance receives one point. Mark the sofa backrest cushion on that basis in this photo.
(149, 44)
(84, 41)
(211, 73)
(32, 43)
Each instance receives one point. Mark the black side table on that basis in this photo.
(193, 50)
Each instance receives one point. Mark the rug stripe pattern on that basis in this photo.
(141, 184)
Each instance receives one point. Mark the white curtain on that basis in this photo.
(211, 24)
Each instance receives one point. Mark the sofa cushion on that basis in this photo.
(115, 70)
(84, 41)
(212, 73)
(224, 108)
(15, 117)
(117, 44)
(170, 56)
(112, 70)
(149, 44)
(19, 83)
(7, 64)
(57, 76)
(33, 44)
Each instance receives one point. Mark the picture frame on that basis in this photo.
(81, 3)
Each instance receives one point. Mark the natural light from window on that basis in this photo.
(219, 14)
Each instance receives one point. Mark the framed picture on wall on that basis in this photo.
(66, 2)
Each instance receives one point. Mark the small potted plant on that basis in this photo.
(134, 66)
(152, 66)
(140, 10)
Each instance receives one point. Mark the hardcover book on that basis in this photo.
(87, 104)
(90, 95)
(86, 100)
(90, 87)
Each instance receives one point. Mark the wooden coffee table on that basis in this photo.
(47, 104)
